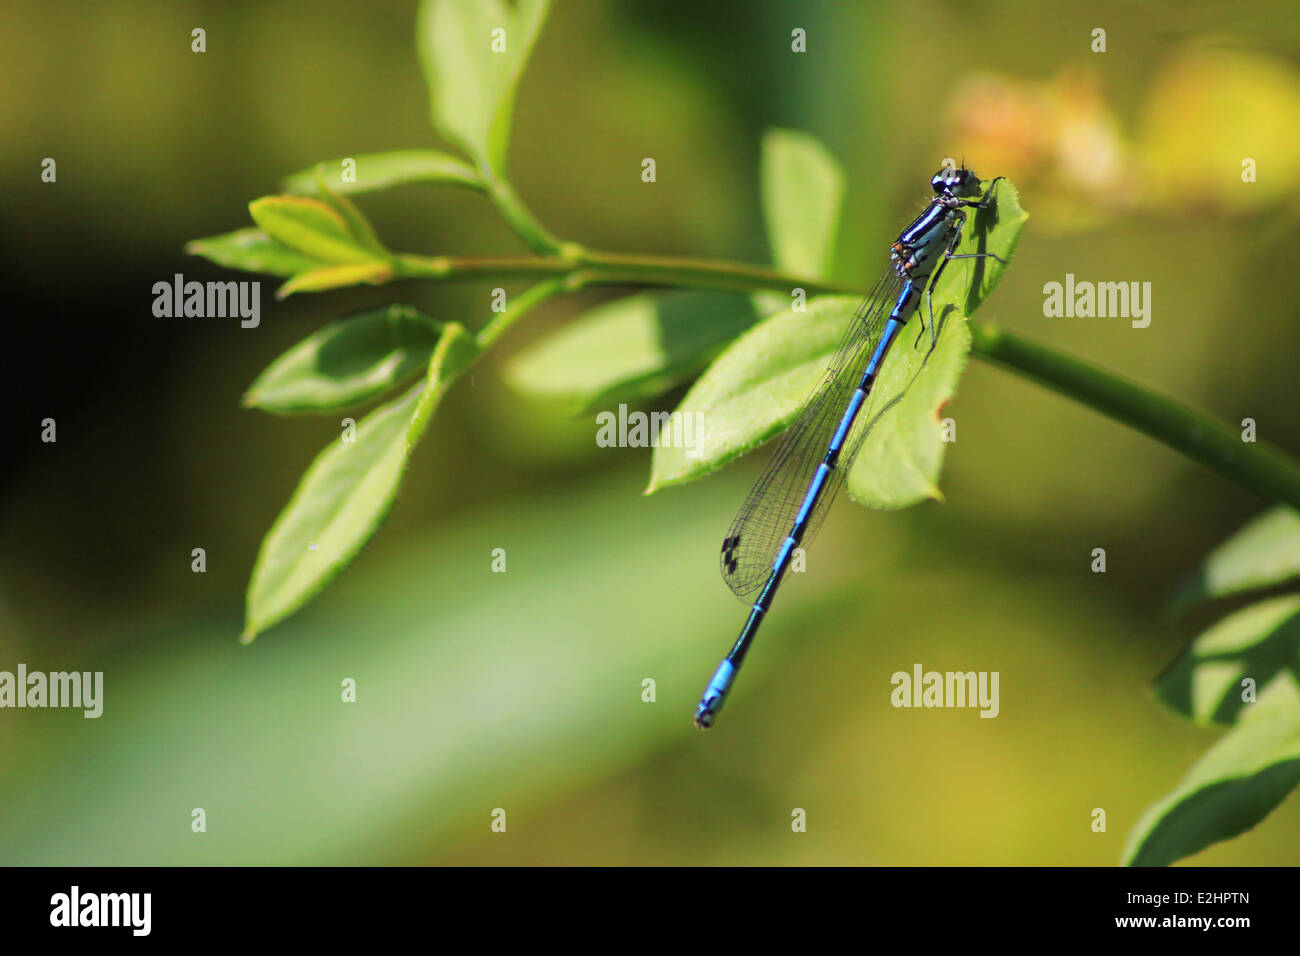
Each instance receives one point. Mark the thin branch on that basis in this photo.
(1265, 470)
(1260, 468)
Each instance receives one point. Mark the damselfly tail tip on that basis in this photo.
(714, 695)
(705, 714)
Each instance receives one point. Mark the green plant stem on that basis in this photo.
(1257, 467)
(519, 217)
(1215, 444)
(520, 306)
(582, 267)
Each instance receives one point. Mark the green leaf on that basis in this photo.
(632, 348)
(1230, 789)
(345, 494)
(472, 87)
(337, 506)
(373, 272)
(995, 230)
(310, 227)
(901, 456)
(251, 250)
(456, 350)
(802, 189)
(1260, 642)
(759, 384)
(753, 390)
(346, 362)
(1264, 553)
(358, 226)
(375, 171)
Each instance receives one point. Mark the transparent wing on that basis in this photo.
(767, 515)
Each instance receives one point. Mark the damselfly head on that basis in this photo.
(958, 183)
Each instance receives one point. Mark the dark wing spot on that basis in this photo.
(729, 546)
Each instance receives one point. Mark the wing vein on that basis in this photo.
(768, 512)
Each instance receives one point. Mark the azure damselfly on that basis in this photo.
(787, 504)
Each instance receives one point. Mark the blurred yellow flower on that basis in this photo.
(1058, 140)
(1218, 132)
(1210, 114)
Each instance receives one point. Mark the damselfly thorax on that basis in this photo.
(929, 239)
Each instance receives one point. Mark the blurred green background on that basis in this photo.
(522, 690)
